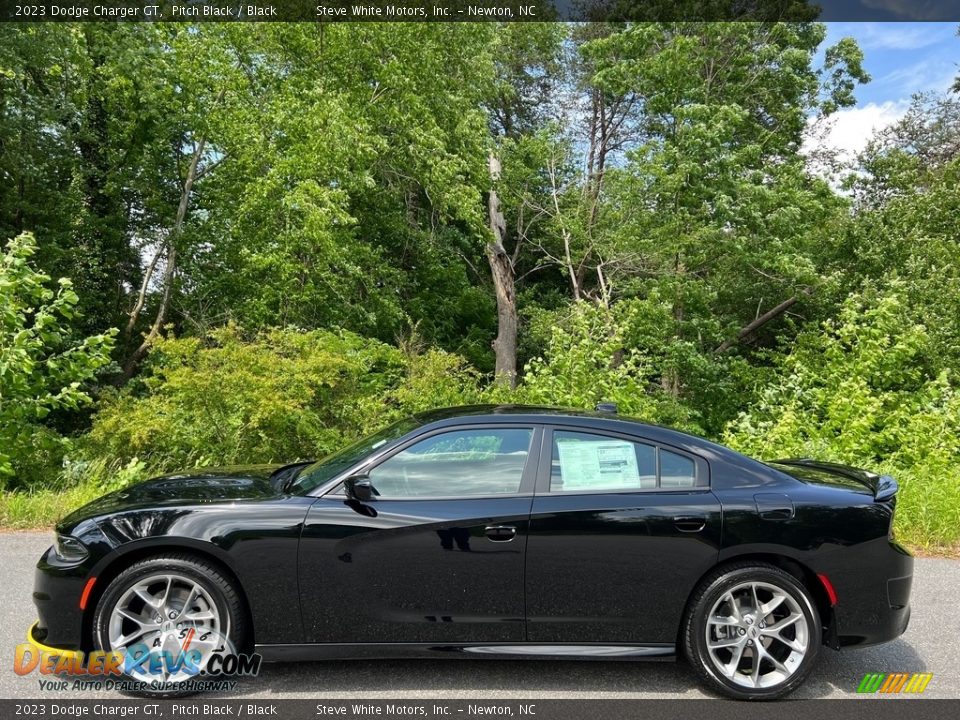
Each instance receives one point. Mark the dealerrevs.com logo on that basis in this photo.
(894, 683)
(198, 662)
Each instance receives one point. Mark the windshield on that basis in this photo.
(324, 470)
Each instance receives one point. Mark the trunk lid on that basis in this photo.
(882, 487)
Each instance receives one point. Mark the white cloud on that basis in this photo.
(848, 131)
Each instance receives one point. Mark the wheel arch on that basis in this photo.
(129, 553)
(798, 569)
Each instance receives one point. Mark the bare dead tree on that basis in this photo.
(504, 283)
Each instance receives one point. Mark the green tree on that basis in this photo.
(864, 389)
(42, 367)
(274, 396)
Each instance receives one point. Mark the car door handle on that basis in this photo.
(500, 533)
(690, 523)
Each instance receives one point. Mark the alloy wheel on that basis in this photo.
(168, 614)
(756, 635)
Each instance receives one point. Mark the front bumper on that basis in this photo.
(35, 636)
(57, 590)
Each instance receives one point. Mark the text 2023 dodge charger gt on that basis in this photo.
(495, 532)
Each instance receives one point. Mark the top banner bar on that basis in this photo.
(192, 11)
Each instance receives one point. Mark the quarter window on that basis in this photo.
(676, 471)
(459, 463)
(588, 462)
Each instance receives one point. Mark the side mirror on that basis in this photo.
(359, 488)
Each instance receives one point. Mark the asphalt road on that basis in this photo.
(931, 644)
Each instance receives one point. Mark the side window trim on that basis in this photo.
(701, 466)
(527, 479)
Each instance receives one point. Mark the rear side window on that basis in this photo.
(676, 471)
(586, 462)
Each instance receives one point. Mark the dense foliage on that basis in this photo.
(282, 236)
(42, 366)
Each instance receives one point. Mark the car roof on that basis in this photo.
(564, 416)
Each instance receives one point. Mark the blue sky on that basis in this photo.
(902, 59)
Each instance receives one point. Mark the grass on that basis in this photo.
(43, 508)
(928, 510)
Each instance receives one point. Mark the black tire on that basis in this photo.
(207, 574)
(710, 591)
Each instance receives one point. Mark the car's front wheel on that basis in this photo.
(168, 616)
(752, 632)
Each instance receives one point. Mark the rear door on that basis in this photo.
(438, 555)
(620, 531)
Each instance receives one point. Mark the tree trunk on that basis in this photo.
(771, 314)
(502, 272)
(168, 274)
(134, 314)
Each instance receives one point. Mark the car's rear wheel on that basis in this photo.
(168, 616)
(752, 632)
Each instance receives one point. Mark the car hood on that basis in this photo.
(209, 485)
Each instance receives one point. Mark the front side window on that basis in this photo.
(459, 463)
(588, 462)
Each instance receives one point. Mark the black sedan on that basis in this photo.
(497, 532)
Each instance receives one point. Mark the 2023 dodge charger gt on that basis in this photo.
(495, 532)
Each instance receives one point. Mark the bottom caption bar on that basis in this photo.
(534, 709)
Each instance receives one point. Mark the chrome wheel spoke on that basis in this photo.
(769, 607)
(764, 655)
(166, 592)
(725, 643)
(729, 669)
(784, 623)
(125, 640)
(144, 595)
(188, 603)
(729, 598)
(724, 620)
(755, 667)
(792, 644)
(146, 623)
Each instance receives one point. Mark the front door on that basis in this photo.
(620, 532)
(438, 554)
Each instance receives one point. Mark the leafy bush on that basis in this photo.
(585, 362)
(279, 396)
(863, 390)
(42, 366)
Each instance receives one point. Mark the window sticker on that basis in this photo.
(595, 464)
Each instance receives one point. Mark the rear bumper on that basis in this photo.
(874, 599)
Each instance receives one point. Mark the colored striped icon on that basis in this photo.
(892, 683)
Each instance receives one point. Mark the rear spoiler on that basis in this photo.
(884, 487)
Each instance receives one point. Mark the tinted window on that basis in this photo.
(585, 462)
(320, 472)
(457, 464)
(676, 471)
(582, 461)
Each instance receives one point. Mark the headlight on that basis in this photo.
(69, 549)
